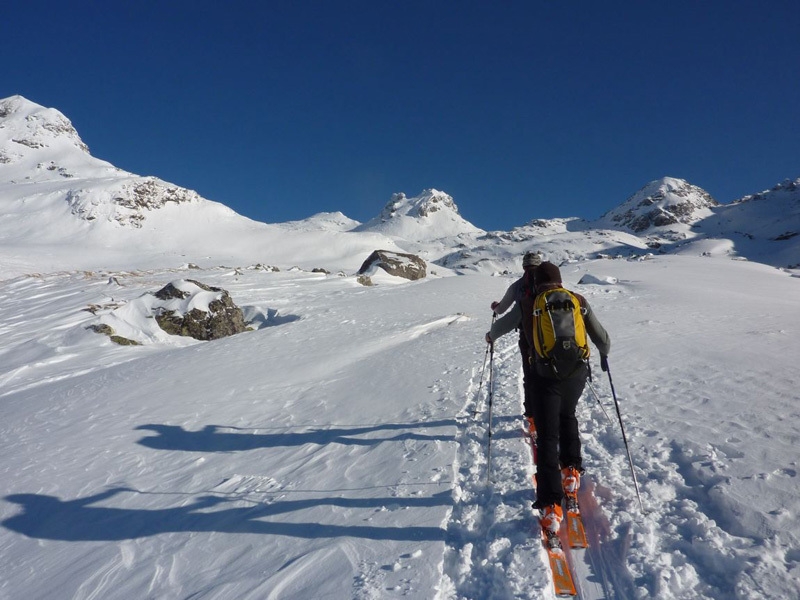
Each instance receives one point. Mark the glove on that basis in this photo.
(494, 305)
(488, 337)
(604, 363)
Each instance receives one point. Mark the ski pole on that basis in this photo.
(483, 369)
(594, 393)
(491, 397)
(622, 428)
(480, 385)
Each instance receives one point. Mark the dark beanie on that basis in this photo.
(546, 273)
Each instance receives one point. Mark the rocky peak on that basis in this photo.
(662, 203)
(427, 203)
(33, 126)
(39, 145)
(431, 215)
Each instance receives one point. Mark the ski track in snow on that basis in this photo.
(494, 546)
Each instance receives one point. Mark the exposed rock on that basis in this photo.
(105, 329)
(102, 328)
(222, 319)
(130, 200)
(663, 203)
(171, 292)
(365, 280)
(123, 341)
(407, 266)
(268, 268)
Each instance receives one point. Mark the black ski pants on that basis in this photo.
(527, 374)
(558, 439)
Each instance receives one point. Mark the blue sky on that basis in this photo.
(518, 109)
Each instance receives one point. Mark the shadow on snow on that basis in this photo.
(212, 438)
(48, 517)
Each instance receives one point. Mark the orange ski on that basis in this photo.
(575, 532)
(562, 577)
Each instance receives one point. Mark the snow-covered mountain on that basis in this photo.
(432, 215)
(325, 221)
(42, 156)
(53, 192)
(667, 207)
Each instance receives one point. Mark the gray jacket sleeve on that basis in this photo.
(507, 322)
(597, 332)
(508, 300)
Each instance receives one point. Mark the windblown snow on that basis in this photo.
(339, 448)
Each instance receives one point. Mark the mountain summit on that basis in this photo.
(430, 216)
(39, 145)
(32, 126)
(663, 203)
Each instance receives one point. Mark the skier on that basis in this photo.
(554, 402)
(513, 320)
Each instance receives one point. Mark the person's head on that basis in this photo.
(546, 274)
(531, 260)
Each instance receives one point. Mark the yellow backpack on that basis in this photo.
(559, 333)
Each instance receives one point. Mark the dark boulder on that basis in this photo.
(223, 317)
(408, 266)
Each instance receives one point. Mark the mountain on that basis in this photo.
(433, 215)
(667, 207)
(41, 154)
(324, 221)
(53, 192)
(666, 216)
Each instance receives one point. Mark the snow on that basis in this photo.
(339, 448)
(333, 452)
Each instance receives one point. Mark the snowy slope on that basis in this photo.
(325, 221)
(340, 449)
(764, 226)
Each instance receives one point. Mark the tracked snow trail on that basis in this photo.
(493, 544)
(493, 548)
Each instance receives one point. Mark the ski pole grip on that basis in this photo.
(604, 363)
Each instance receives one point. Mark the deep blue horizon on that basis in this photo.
(284, 109)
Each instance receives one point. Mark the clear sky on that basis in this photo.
(518, 109)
